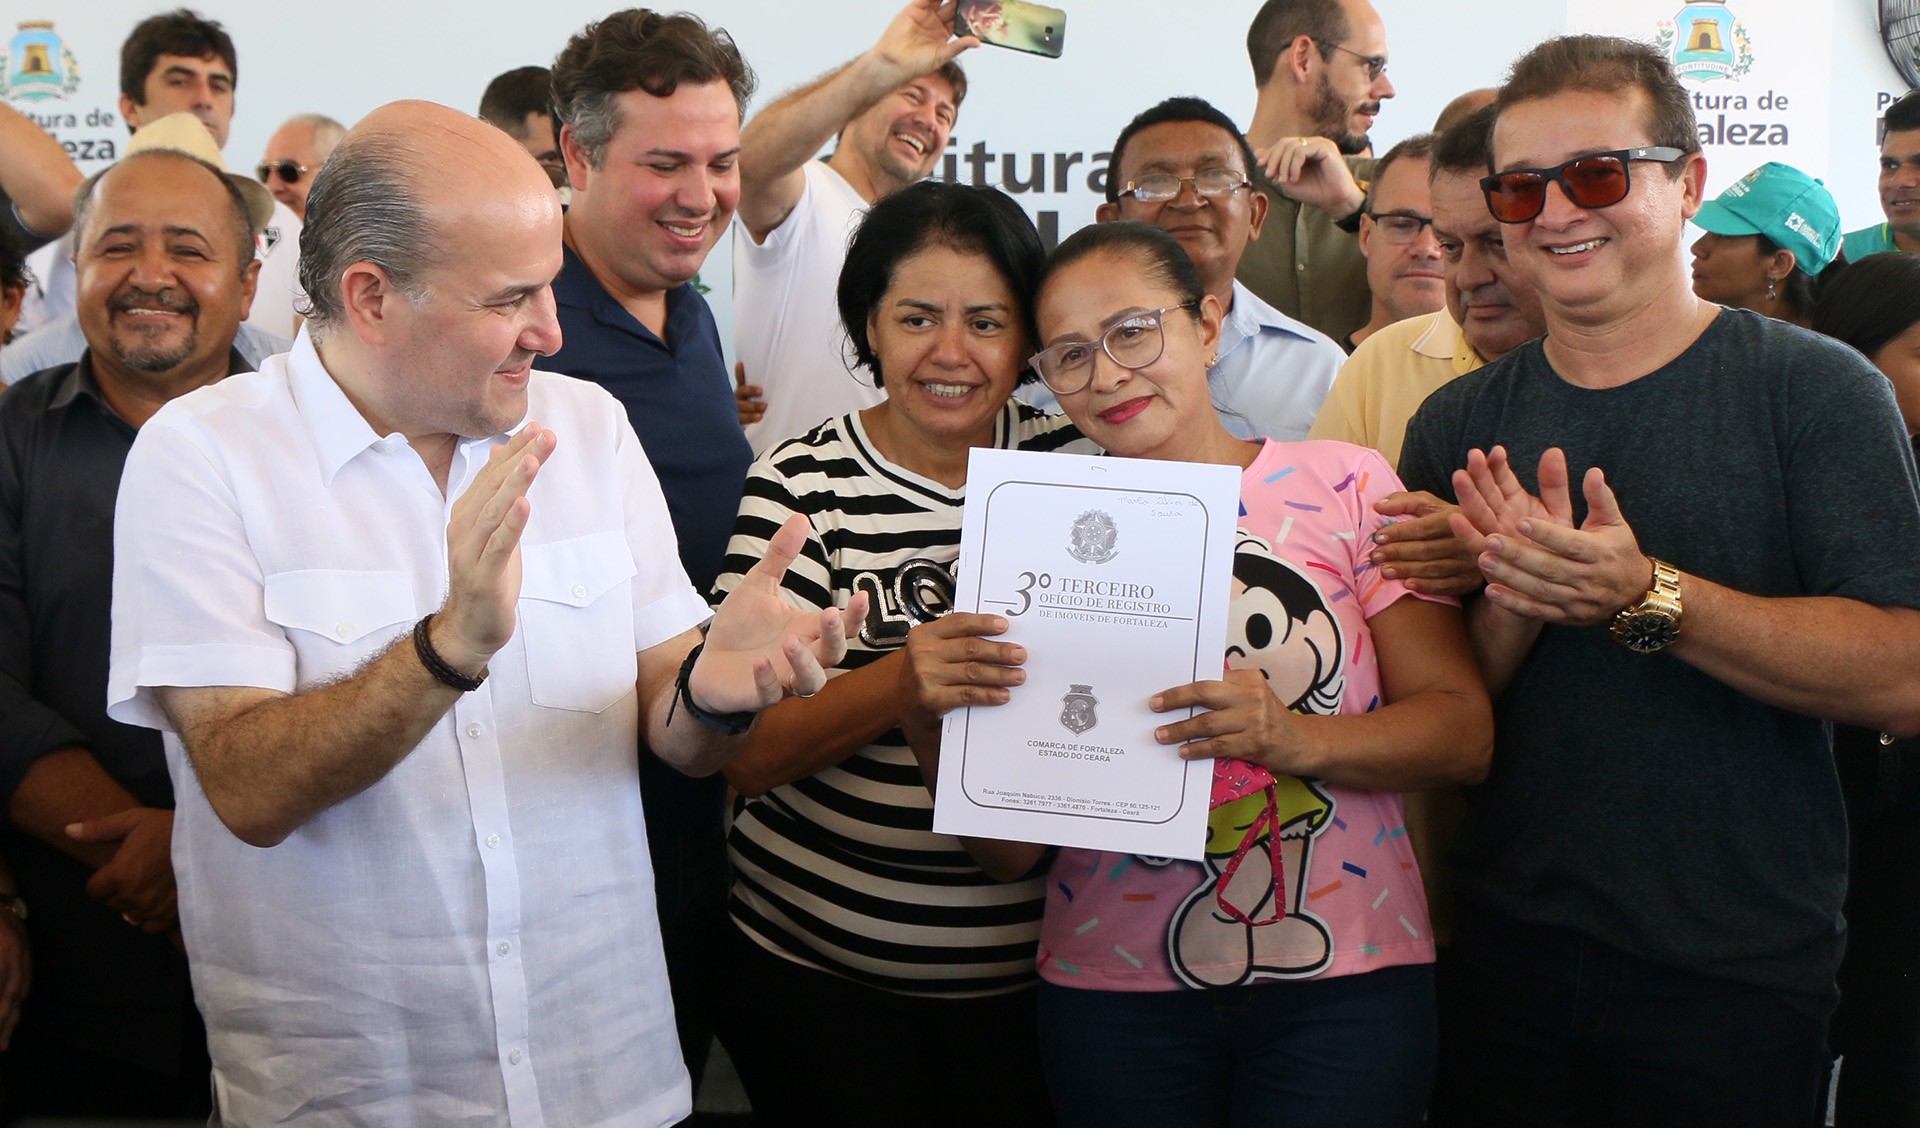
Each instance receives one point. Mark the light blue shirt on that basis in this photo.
(1274, 372)
(62, 342)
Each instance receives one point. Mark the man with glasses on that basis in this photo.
(1714, 552)
(1182, 166)
(294, 154)
(1398, 240)
(1320, 66)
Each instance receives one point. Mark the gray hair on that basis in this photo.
(364, 207)
(326, 131)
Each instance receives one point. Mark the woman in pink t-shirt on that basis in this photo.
(1288, 978)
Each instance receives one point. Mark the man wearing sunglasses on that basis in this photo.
(1182, 166)
(1320, 66)
(1397, 237)
(1714, 552)
(294, 154)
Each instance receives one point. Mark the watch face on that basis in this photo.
(1648, 631)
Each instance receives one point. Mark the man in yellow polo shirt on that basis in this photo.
(1488, 311)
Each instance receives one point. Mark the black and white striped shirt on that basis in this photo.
(841, 870)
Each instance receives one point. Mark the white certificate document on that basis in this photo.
(1115, 575)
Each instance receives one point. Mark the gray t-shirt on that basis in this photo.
(1633, 798)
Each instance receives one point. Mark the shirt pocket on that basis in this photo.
(576, 619)
(338, 619)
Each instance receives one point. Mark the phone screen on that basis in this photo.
(1015, 24)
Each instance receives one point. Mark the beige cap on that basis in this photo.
(182, 132)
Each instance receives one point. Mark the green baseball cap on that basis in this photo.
(1784, 204)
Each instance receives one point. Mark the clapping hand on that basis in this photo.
(1537, 564)
(759, 648)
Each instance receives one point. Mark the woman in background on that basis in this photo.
(1768, 238)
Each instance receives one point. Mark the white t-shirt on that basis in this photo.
(472, 940)
(278, 249)
(786, 325)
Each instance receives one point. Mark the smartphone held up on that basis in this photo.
(1014, 24)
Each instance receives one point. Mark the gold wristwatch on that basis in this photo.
(1654, 622)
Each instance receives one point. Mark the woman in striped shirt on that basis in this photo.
(879, 977)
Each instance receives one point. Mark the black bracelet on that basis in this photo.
(733, 724)
(437, 666)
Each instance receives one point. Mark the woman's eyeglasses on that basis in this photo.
(1136, 341)
(1599, 180)
(289, 170)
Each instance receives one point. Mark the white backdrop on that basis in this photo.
(1038, 127)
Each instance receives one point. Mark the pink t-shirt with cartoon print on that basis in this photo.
(1303, 591)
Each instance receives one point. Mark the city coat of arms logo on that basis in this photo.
(38, 67)
(1076, 709)
(1705, 42)
(1093, 536)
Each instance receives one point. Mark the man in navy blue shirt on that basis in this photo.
(651, 108)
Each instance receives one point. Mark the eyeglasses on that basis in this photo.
(289, 170)
(1136, 341)
(1210, 183)
(1399, 227)
(1599, 180)
(1376, 64)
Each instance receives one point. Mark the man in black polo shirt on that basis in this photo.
(1703, 546)
(651, 107)
(166, 272)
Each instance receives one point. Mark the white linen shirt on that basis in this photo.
(1272, 375)
(472, 940)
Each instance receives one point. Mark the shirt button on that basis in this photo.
(343, 630)
(1302, 268)
(1886, 738)
(493, 841)
(504, 948)
(513, 1057)
(475, 729)
(579, 591)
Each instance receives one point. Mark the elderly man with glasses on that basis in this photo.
(1183, 166)
(294, 154)
(1713, 558)
(1320, 66)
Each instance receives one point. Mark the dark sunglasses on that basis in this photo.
(1598, 180)
(289, 170)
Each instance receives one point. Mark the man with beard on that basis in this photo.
(892, 109)
(166, 270)
(1321, 67)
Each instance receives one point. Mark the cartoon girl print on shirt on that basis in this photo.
(1280, 625)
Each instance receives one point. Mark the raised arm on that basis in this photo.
(785, 136)
(37, 173)
(270, 761)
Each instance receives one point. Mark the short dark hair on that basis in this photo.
(179, 32)
(955, 78)
(1160, 255)
(1417, 147)
(644, 50)
(1904, 114)
(1800, 288)
(238, 212)
(1174, 109)
(1466, 145)
(1870, 302)
(1279, 22)
(934, 213)
(1606, 64)
(13, 259)
(510, 97)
